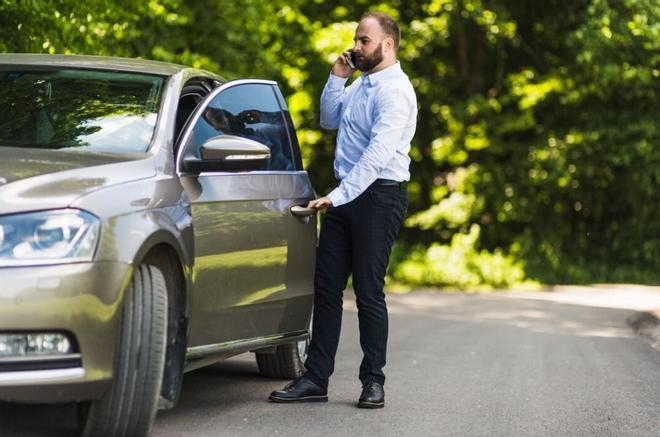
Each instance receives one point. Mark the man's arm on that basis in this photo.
(333, 94)
(395, 109)
(332, 100)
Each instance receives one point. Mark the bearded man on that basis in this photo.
(376, 117)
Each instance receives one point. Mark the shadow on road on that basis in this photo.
(223, 387)
(213, 388)
(37, 420)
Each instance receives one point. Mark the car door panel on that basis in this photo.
(251, 256)
(254, 259)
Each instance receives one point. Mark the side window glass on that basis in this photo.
(249, 111)
(295, 146)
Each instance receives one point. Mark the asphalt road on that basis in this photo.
(458, 364)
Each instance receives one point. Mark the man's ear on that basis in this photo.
(389, 44)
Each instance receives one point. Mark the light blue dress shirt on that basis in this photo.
(376, 116)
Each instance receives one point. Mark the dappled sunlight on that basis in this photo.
(502, 309)
(534, 314)
(623, 296)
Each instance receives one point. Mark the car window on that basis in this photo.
(295, 146)
(58, 109)
(249, 111)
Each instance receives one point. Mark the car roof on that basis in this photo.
(97, 63)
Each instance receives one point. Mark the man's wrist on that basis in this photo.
(336, 82)
(336, 197)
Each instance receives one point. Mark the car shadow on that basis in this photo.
(37, 420)
(222, 386)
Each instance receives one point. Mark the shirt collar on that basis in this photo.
(384, 74)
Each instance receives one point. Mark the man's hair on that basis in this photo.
(387, 23)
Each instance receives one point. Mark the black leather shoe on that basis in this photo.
(373, 395)
(300, 390)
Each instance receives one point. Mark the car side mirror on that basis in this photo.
(228, 153)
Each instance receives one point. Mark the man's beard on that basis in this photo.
(368, 62)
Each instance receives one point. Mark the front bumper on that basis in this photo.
(82, 300)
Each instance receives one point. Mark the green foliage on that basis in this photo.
(550, 129)
(536, 150)
(459, 264)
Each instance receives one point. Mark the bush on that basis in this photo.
(460, 264)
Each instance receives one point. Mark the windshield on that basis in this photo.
(83, 109)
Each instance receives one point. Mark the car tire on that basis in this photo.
(129, 406)
(287, 361)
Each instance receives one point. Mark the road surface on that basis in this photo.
(458, 364)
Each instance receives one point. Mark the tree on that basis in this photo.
(535, 150)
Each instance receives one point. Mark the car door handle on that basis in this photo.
(302, 211)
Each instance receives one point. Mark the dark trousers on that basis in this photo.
(356, 238)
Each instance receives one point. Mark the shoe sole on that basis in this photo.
(294, 400)
(371, 405)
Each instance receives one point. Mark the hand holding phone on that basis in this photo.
(345, 64)
(350, 59)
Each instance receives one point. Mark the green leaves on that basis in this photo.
(536, 149)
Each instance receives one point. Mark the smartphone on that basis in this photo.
(350, 60)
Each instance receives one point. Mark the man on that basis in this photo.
(376, 117)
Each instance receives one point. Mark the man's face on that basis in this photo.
(368, 46)
(368, 61)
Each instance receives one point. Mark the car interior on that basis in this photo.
(192, 94)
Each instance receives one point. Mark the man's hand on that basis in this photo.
(320, 203)
(250, 116)
(341, 67)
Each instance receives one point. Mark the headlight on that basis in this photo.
(48, 237)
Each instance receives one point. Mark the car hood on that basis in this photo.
(32, 179)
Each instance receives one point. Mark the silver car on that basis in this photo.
(152, 222)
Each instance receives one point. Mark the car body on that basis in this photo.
(151, 177)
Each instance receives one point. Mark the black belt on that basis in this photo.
(389, 182)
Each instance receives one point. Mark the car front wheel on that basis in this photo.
(129, 406)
